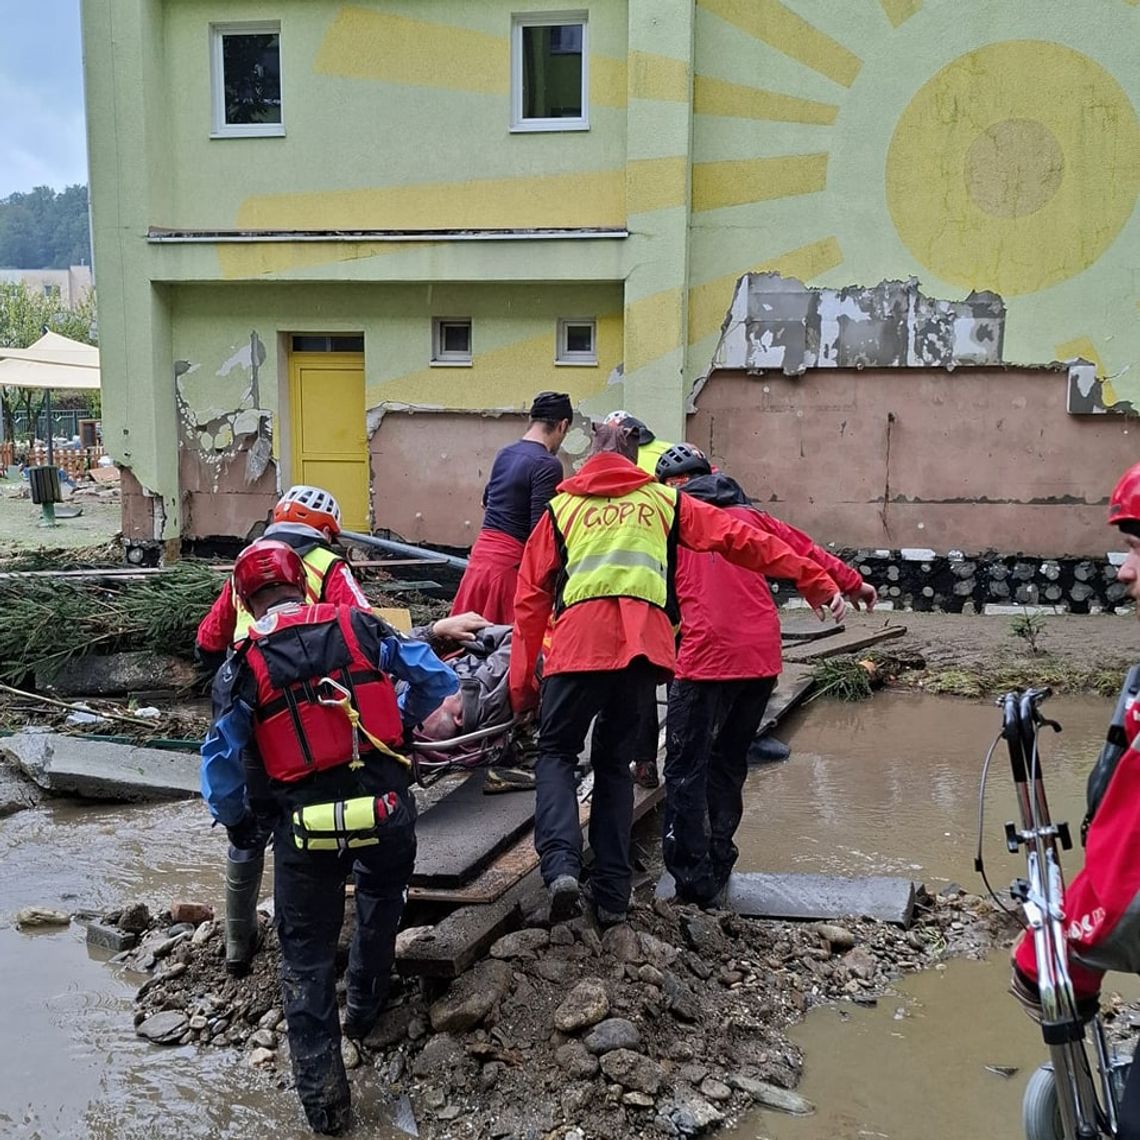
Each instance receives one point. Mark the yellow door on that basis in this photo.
(330, 443)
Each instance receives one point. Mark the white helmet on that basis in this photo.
(311, 506)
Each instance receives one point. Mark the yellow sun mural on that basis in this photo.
(974, 145)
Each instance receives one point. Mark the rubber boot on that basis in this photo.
(243, 885)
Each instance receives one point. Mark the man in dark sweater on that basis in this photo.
(522, 482)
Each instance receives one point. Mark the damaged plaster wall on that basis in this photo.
(227, 473)
(777, 322)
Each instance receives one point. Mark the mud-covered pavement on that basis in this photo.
(704, 1009)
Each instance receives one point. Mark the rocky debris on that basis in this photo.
(17, 792)
(38, 916)
(625, 1033)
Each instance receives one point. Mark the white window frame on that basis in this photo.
(563, 354)
(520, 20)
(441, 357)
(220, 129)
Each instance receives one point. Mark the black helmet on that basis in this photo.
(682, 459)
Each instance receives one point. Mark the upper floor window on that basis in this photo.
(245, 73)
(549, 72)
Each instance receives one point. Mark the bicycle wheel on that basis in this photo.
(1040, 1112)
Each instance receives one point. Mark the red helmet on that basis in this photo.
(267, 563)
(1124, 503)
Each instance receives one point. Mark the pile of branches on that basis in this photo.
(45, 622)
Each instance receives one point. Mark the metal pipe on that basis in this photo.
(392, 547)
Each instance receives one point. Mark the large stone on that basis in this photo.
(613, 1033)
(656, 952)
(41, 916)
(772, 1096)
(135, 918)
(165, 1028)
(97, 769)
(439, 1056)
(585, 1005)
(115, 673)
(837, 937)
(683, 1002)
(703, 934)
(693, 1115)
(520, 944)
(17, 792)
(621, 942)
(392, 1026)
(633, 1071)
(471, 998)
(578, 1062)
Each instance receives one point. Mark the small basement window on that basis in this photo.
(245, 76)
(451, 340)
(549, 72)
(577, 341)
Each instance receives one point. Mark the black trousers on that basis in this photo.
(649, 729)
(710, 726)
(309, 904)
(569, 702)
(1128, 1126)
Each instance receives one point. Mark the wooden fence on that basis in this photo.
(75, 461)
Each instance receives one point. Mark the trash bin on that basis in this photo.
(44, 484)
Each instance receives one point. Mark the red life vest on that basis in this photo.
(289, 651)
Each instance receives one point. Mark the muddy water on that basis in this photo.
(70, 1065)
(891, 786)
(888, 786)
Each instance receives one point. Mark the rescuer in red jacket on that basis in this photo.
(308, 520)
(728, 659)
(307, 740)
(1102, 903)
(601, 560)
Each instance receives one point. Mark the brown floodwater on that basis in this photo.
(888, 787)
(891, 786)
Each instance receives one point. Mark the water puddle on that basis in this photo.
(891, 786)
(888, 786)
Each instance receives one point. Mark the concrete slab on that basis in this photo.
(755, 894)
(99, 770)
(808, 629)
(458, 836)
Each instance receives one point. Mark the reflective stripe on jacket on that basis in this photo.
(649, 453)
(289, 651)
(615, 547)
(317, 562)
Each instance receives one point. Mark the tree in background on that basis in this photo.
(24, 314)
(45, 230)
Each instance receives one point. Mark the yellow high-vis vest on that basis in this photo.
(615, 547)
(649, 453)
(317, 562)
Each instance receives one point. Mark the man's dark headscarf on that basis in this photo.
(552, 406)
(617, 438)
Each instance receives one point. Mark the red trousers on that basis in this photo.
(488, 585)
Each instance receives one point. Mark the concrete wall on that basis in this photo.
(972, 461)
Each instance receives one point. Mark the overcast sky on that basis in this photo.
(42, 140)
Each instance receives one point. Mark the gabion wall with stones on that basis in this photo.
(984, 583)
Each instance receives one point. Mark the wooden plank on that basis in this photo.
(796, 630)
(850, 642)
(463, 832)
(519, 859)
(794, 685)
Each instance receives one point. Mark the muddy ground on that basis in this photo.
(672, 1024)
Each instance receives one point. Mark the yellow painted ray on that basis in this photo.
(652, 328)
(656, 183)
(657, 77)
(779, 27)
(736, 100)
(734, 183)
(709, 301)
(362, 43)
(581, 200)
(899, 11)
(264, 259)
